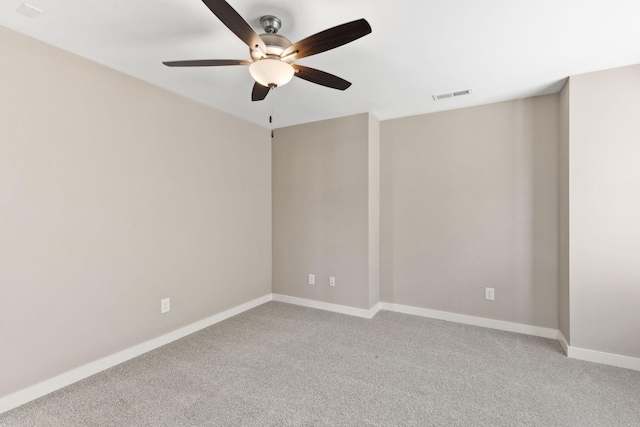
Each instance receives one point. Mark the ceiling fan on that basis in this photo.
(273, 56)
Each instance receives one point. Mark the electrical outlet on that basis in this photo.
(165, 305)
(489, 294)
(332, 281)
(312, 279)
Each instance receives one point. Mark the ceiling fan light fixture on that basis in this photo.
(272, 54)
(271, 72)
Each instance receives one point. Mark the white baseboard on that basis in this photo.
(563, 343)
(423, 312)
(501, 325)
(604, 358)
(595, 356)
(342, 309)
(45, 387)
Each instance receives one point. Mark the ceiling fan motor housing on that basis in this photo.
(276, 44)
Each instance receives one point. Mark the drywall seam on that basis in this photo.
(28, 394)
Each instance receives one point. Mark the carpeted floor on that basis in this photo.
(280, 364)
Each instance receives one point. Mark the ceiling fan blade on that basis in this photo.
(328, 39)
(320, 77)
(206, 63)
(259, 92)
(236, 23)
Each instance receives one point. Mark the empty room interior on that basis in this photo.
(446, 234)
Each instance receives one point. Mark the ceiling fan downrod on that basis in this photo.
(271, 24)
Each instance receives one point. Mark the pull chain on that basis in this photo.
(271, 108)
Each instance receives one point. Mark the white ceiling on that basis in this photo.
(501, 49)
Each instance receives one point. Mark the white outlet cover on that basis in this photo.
(489, 294)
(165, 305)
(332, 281)
(312, 279)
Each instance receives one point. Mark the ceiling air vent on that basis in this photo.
(451, 94)
(28, 10)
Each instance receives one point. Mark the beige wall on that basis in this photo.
(320, 210)
(605, 210)
(469, 200)
(113, 195)
(564, 301)
(374, 210)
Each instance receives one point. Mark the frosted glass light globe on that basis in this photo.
(271, 72)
